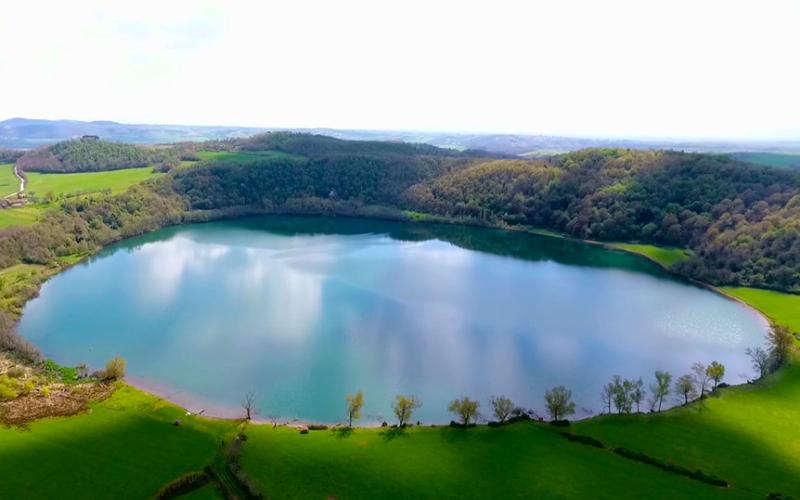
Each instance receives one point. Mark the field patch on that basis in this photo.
(86, 182)
(667, 257)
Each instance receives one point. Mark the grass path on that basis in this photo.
(667, 257)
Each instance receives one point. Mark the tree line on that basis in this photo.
(620, 395)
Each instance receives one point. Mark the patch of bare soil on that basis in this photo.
(64, 400)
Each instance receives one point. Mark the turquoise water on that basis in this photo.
(306, 310)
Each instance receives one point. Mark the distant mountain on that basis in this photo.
(24, 133)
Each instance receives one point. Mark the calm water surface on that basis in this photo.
(306, 310)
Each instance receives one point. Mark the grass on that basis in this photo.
(9, 184)
(782, 160)
(783, 308)
(87, 182)
(22, 216)
(667, 257)
(748, 436)
(126, 447)
(525, 460)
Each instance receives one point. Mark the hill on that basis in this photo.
(88, 155)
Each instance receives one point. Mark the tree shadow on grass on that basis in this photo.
(455, 434)
(343, 432)
(392, 433)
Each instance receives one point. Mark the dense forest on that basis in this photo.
(741, 221)
(92, 155)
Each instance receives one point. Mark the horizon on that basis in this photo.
(718, 71)
(643, 139)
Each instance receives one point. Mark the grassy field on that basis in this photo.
(781, 307)
(19, 216)
(783, 160)
(87, 182)
(525, 460)
(126, 447)
(9, 184)
(667, 257)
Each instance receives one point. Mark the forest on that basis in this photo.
(90, 154)
(741, 222)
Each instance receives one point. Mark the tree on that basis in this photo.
(465, 408)
(638, 394)
(354, 405)
(660, 389)
(622, 393)
(760, 360)
(404, 407)
(685, 386)
(779, 340)
(115, 368)
(608, 396)
(701, 378)
(716, 372)
(249, 404)
(559, 402)
(502, 407)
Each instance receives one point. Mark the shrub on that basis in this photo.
(317, 427)
(577, 438)
(7, 392)
(184, 484)
(115, 368)
(560, 423)
(676, 469)
(15, 372)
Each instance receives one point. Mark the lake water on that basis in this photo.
(306, 310)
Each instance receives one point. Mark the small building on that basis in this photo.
(90, 138)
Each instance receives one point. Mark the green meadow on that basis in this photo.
(86, 182)
(665, 256)
(783, 308)
(9, 184)
(21, 216)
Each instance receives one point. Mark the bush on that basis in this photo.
(560, 423)
(115, 368)
(577, 438)
(15, 372)
(676, 469)
(184, 484)
(317, 427)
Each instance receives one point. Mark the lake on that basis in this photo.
(304, 310)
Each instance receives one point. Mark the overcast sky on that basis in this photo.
(638, 68)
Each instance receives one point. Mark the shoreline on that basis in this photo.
(205, 408)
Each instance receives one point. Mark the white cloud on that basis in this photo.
(678, 68)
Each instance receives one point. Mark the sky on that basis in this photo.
(698, 69)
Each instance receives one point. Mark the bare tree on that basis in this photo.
(760, 360)
(701, 378)
(608, 396)
(685, 386)
(249, 404)
(638, 394)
